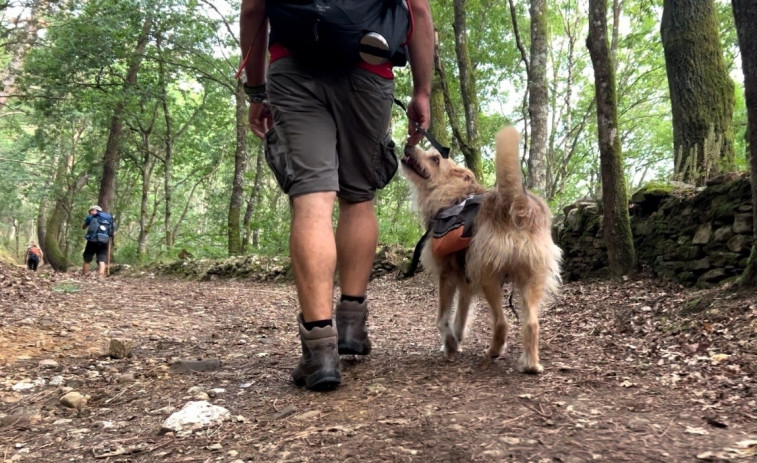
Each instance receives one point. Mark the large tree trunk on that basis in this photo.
(701, 93)
(111, 157)
(240, 164)
(745, 15)
(616, 222)
(536, 178)
(55, 256)
(471, 150)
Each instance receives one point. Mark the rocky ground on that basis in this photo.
(637, 371)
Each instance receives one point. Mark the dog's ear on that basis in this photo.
(462, 173)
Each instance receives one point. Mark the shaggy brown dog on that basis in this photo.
(512, 241)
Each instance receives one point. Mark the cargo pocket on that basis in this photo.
(385, 163)
(277, 159)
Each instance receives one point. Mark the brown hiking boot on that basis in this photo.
(351, 318)
(319, 365)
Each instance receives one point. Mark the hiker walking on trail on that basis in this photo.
(323, 106)
(100, 231)
(33, 256)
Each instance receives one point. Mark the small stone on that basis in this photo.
(120, 348)
(124, 377)
(74, 400)
(201, 365)
(22, 386)
(196, 415)
(48, 363)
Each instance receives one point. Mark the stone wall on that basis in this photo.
(697, 237)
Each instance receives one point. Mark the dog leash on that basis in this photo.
(443, 150)
(512, 307)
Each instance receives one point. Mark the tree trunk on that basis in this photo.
(616, 222)
(745, 15)
(55, 222)
(470, 149)
(438, 126)
(701, 92)
(16, 47)
(148, 163)
(167, 166)
(252, 202)
(41, 232)
(240, 165)
(536, 178)
(111, 157)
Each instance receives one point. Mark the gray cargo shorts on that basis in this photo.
(330, 131)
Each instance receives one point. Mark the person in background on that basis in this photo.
(100, 230)
(33, 256)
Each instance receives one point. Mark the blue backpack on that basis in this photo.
(100, 228)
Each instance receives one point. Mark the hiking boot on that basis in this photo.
(319, 365)
(351, 317)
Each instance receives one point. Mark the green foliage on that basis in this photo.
(182, 104)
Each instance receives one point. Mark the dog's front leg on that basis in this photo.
(447, 288)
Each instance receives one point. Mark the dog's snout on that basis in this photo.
(409, 150)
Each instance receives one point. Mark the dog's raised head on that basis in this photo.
(438, 182)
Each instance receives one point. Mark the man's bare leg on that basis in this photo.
(85, 268)
(101, 269)
(313, 253)
(356, 239)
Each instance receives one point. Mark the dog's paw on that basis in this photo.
(495, 352)
(492, 353)
(451, 346)
(526, 365)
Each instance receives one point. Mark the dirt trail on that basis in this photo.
(641, 371)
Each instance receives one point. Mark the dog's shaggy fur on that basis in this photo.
(512, 241)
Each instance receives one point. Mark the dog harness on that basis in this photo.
(452, 228)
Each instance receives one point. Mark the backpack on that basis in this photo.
(453, 227)
(342, 31)
(100, 228)
(34, 253)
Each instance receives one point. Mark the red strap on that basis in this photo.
(244, 62)
(412, 23)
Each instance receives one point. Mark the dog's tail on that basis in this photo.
(509, 176)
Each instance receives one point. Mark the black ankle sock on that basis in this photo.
(358, 299)
(317, 324)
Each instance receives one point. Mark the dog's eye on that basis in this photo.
(435, 159)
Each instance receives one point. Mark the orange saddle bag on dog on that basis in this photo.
(452, 228)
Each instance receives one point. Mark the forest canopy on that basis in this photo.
(134, 104)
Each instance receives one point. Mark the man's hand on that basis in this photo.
(419, 112)
(260, 119)
(421, 48)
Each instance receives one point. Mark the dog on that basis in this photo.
(511, 241)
